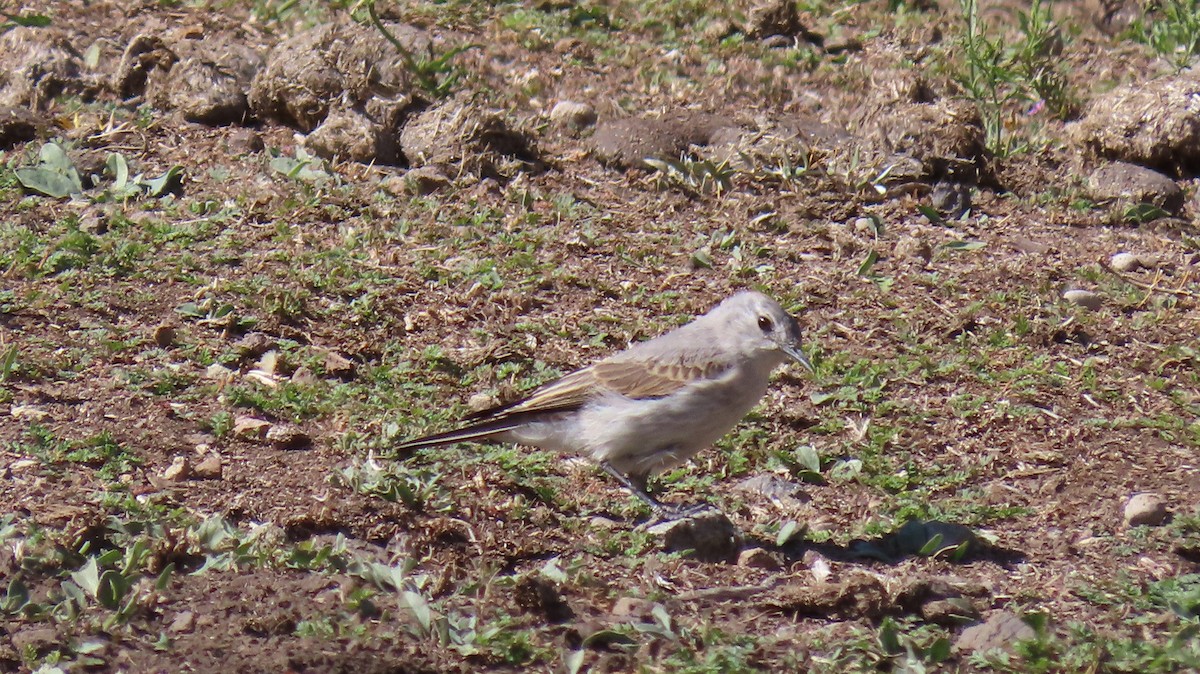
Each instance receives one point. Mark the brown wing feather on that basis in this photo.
(630, 378)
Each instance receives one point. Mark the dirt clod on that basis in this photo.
(1145, 509)
(626, 143)
(1127, 184)
(1001, 631)
(709, 535)
(1084, 298)
(1152, 122)
(17, 125)
(861, 595)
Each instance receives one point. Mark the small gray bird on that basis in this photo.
(656, 404)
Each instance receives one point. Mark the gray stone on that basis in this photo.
(1128, 184)
(1001, 632)
(1084, 298)
(707, 534)
(1145, 509)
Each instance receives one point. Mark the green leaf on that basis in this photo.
(27, 20)
(864, 269)
(786, 533)
(54, 176)
(119, 169)
(931, 546)
(573, 661)
(112, 589)
(88, 577)
(164, 577)
(15, 598)
(156, 187)
(965, 245)
(420, 608)
(8, 364)
(931, 213)
(889, 637)
(806, 455)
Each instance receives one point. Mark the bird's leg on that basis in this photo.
(636, 485)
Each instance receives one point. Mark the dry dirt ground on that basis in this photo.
(246, 247)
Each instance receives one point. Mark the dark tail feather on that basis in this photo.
(480, 431)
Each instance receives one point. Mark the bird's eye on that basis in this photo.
(765, 324)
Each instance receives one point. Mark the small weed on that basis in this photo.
(1174, 34)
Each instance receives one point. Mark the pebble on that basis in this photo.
(1125, 262)
(209, 468)
(179, 470)
(249, 427)
(1145, 509)
(1000, 632)
(164, 335)
(707, 534)
(758, 558)
(288, 437)
(573, 114)
(1084, 298)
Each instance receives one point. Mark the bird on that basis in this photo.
(654, 405)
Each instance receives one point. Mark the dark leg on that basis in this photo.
(636, 484)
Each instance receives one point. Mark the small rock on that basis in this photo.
(573, 114)
(1125, 262)
(708, 534)
(250, 428)
(209, 468)
(601, 522)
(481, 401)
(1128, 184)
(914, 247)
(758, 558)
(184, 622)
(164, 335)
(424, 180)
(303, 376)
(219, 372)
(253, 345)
(1002, 631)
(244, 141)
(179, 470)
(631, 606)
(288, 437)
(1084, 298)
(337, 365)
(1145, 509)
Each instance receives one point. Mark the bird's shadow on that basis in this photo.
(954, 542)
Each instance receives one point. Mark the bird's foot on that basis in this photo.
(664, 512)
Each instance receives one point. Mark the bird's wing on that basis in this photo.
(637, 379)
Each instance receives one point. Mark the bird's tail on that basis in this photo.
(484, 430)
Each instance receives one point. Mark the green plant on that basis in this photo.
(1174, 34)
(1006, 77)
(436, 74)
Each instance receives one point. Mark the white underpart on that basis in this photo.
(645, 437)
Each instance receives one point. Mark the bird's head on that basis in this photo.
(758, 325)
